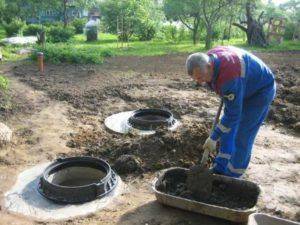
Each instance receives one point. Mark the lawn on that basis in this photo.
(160, 47)
(77, 50)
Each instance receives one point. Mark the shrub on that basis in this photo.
(79, 25)
(56, 53)
(60, 33)
(3, 83)
(33, 29)
(173, 34)
(289, 31)
(51, 24)
(15, 27)
(106, 53)
(145, 31)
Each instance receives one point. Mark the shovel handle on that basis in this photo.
(206, 152)
(217, 118)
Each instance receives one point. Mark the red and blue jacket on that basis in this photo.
(238, 75)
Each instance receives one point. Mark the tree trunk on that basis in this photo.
(193, 28)
(254, 29)
(208, 37)
(229, 29)
(65, 12)
(195, 34)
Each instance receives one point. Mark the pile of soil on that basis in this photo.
(223, 194)
(285, 109)
(164, 149)
(158, 82)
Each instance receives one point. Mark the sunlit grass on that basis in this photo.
(78, 50)
(161, 47)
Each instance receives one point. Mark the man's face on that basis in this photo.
(202, 76)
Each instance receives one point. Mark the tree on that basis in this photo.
(187, 12)
(120, 17)
(24, 9)
(253, 27)
(32, 8)
(212, 12)
(292, 9)
(65, 4)
(2, 8)
(128, 17)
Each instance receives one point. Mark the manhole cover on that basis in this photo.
(150, 119)
(77, 180)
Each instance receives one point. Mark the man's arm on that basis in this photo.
(232, 93)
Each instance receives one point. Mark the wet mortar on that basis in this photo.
(223, 194)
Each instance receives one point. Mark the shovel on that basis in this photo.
(199, 177)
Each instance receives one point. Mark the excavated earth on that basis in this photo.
(62, 112)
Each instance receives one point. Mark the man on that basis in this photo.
(247, 87)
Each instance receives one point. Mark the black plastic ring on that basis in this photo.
(151, 119)
(62, 193)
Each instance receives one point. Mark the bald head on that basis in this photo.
(199, 60)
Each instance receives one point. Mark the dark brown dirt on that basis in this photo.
(153, 81)
(150, 82)
(127, 164)
(155, 152)
(129, 83)
(223, 194)
(286, 107)
(285, 110)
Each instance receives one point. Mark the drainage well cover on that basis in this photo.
(142, 121)
(77, 180)
(25, 198)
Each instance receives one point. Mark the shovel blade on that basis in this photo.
(199, 182)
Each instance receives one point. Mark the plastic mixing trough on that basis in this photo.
(240, 187)
(149, 119)
(77, 180)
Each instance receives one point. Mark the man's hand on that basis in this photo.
(210, 145)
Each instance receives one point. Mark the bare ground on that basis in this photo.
(62, 114)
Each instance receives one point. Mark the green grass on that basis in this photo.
(287, 45)
(161, 47)
(77, 50)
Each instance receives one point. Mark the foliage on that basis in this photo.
(77, 50)
(3, 83)
(174, 34)
(60, 33)
(2, 32)
(53, 24)
(2, 9)
(145, 31)
(15, 27)
(187, 12)
(79, 24)
(292, 9)
(129, 17)
(4, 96)
(25, 9)
(33, 29)
(67, 53)
(290, 29)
